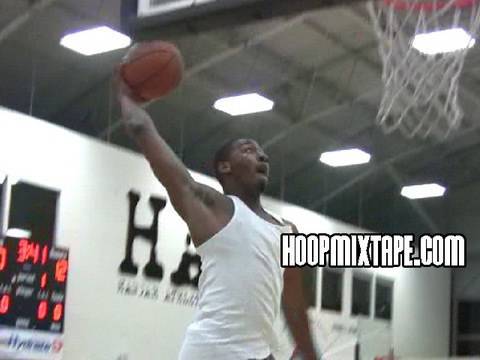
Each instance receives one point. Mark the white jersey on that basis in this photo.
(239, 290)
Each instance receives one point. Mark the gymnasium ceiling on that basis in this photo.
(321, 68)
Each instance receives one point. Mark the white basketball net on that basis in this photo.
(421, 91)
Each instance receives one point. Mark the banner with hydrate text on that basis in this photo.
(30, 345)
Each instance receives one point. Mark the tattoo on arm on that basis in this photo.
(204, 194)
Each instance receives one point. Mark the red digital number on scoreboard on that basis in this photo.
(3, 258)
(27, 250)
(57, 312)
(61, 268)
(44, 255)
(31, 251)
(42, 310)
(4, 304)
(43, 281)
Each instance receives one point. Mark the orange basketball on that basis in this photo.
(152, 70)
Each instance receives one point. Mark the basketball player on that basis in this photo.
(242, 284)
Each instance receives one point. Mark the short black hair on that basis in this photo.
(223, 154)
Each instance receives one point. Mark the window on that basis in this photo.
(361, 288)
(2, 180)
(33, 208)
(468, 317)
(468, 347)
(468, 328)
(383, 299)
(332, 289)
(310, 286)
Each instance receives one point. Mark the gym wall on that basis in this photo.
(112, 315)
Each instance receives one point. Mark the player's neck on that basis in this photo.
(250, 198)
(252, 202)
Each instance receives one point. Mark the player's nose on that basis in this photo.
(263, 157)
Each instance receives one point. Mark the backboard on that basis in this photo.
(150, 19)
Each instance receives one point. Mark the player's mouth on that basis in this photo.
(263, 169)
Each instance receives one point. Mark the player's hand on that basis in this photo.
(121, 89)
(133, 116)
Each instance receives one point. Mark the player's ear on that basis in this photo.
(224, 167)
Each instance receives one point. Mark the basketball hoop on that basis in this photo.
(421, 84)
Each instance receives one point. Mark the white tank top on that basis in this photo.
(239, 290)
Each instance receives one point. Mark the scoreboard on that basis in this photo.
(33, 280)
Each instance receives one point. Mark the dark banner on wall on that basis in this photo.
(34, 208)
(2, 180)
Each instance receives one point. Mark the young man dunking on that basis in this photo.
(242, 286)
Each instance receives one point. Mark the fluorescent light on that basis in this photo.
(244, 104)
(422, 191)
(443, 41)
(345, 157)
(95, 41)
(18, 233)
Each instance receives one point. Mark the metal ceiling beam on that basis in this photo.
(390, 161)
(315, 26)
(351, 98)
(324, 67)
(222, 56)
(234, 51)
(73, 10)
(441, 152)
(303, 73)
(22, 19)
(83, 93)
(317, 116)
(314, 160)
(314, 76)
(254, 41)
(217, 84)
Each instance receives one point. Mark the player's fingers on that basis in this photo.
(126, 103)
(121, 88)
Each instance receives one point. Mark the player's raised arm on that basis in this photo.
(167, 167)
(204, 209)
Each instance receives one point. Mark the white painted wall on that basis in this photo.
(94, 179)
(422, 313)
(464, 215)
(467, 280)
(464, 211)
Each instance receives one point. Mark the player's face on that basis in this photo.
(249, 164)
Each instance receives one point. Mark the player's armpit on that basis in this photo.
(205, 210)
(209, 196)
